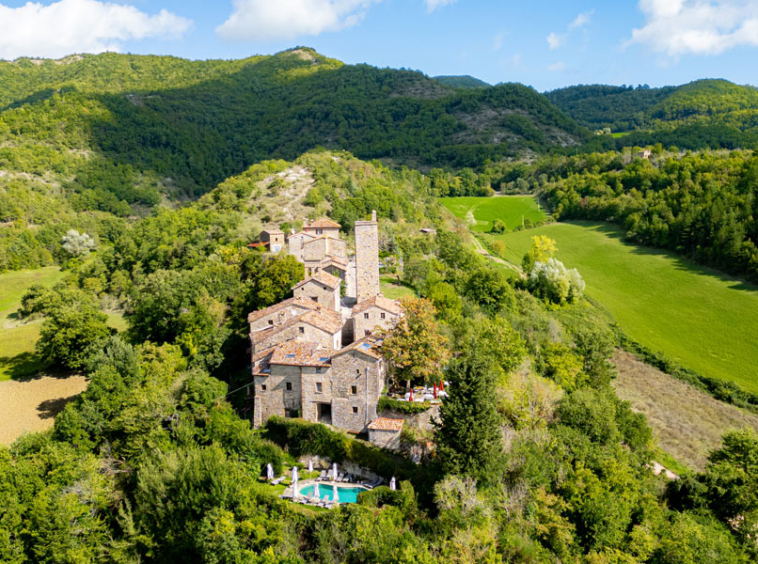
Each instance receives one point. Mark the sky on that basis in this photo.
(541, 43)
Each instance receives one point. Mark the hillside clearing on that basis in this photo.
(686, 422)
(702, 319)
(480, 213)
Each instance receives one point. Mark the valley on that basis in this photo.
(700, 318)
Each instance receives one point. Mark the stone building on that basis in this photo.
(302, 363)
(385, 432)
(321, 288)
(367, 258)
(375, 314)
(273, 239)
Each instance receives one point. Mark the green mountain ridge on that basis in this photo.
(462, 81)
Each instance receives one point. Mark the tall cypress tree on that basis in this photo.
(469, 435)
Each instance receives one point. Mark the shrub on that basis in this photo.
(390, 404)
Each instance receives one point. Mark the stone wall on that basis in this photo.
(296, 243)
(384, 439)
(320, 293)
(272, 396)
(358, 381)
(374, 322)
(311, 395)
(367, 259)
(277, 318)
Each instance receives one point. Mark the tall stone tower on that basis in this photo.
(367, 258)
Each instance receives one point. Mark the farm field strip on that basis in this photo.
(480, 212)
(703, 319)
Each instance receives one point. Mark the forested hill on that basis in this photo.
(201, 122)
(707, 102)
(464, 81)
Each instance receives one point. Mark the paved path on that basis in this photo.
(31, 405)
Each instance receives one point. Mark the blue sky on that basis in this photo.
(545, 44)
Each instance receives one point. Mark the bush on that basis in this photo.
(389, 404)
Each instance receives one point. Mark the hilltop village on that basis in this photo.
(317, 355)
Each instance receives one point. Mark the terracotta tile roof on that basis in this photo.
(311, 235)
(295, 302)
(391, 306)
(324, 319)
(261, 362)
(386, 424)
(273, 231)
(301, 353)
(331, 260)
(324, 278)
(321, 223)
(370, 346)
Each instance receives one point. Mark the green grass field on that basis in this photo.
(17, 339)
(704, 320)
(479, 213)
(393, 289)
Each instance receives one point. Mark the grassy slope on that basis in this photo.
(510, 209)
(703, 320)
(17, 340)
(394, 290)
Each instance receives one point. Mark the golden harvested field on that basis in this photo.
(29, 406)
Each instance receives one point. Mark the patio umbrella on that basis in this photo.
(269, 472)
(442, 386)
(392, 484)
(316, 491)
(410, 398)
(435, 390)
(294, 481)
(334, 471)
(310, 465)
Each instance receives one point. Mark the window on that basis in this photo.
(314, 298)
(319, 231)
(383, 315)
(289, 386)
(357, 371)
(318, 370)
(367, 332)
(354, 390)
(291, 413)
(270, 321)
(365, 316)
(355, 409)
(301, 329)
(263, 387)
(319, 387)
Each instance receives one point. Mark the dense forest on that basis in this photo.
(537, 459)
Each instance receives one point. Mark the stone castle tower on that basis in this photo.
(367, 258)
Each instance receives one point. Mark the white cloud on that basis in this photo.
(79, 26)
(432, 5)
(516, 60)
(697, 27)
(557, 67)
(269, 20)
(555, 40)
(497, 41)
(582, 20)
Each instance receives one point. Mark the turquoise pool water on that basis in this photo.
(345, 494)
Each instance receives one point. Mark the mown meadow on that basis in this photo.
(696, 316)
(479, 213)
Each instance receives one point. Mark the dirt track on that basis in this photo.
(29, 406)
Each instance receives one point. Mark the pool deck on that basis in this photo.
(289, 492)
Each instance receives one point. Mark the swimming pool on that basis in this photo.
(345, 494)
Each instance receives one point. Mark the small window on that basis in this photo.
(365, 316)
(314, 298)
(383, 315)
(319, 231)
(367, 332)
(355, 409)
(319, 387)
(301, 329)
(291, 413)
(289, 386)
(318, 370)
(357, 371)
(263, 387)
(270, 321)
(354, 390)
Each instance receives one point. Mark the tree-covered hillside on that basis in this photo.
(713, 103)
(462, 81)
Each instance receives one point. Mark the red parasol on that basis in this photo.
(410, 398)
(435, 391)
(442, 386)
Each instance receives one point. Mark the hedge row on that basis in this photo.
(410, 408)
(728, 392)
